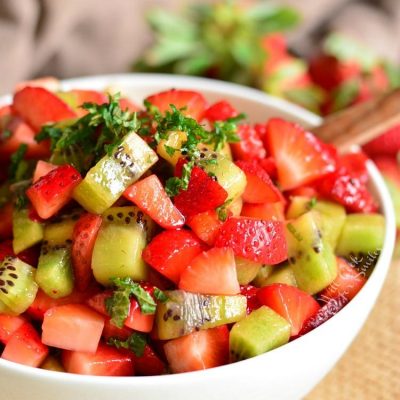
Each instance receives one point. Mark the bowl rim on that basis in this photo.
(246, 93)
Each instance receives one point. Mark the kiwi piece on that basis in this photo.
(333, 215)
(52, 364)
(26, 232)
(261, 331)
(107, 180)
(122, 237)
(5, 310)
(361, 233)
(17, 284)
(262, 275)
(310, 255)
(186, 312)
(246, 270)
(281, 274)
(174, 140)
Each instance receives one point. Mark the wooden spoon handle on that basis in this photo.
(361, 123)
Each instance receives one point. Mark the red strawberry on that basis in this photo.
(137, 320)
(250, 145)
(256, 240)
(290, 302)
(220, 111)
(191, 103)
(205, 225)
(128, 105)
(83, 240)
(29, 256)
(300, 157)
(251, 295)
(42, 168)
(265, 211)
(211, 272)
(8, 326)
(270, 167)
(171, 251)
(201, 186)
(309, 191)
(54, 190)
(387, 144)
(38, 106)
(259, 187)
(149, 363)
(112, 331)
(6, 221)
(97, 302)
(150, 196)
(200, 350)
(356, 163)
(81, 96)
(6, 250)
(347, 283)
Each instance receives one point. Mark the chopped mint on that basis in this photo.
(136, 343)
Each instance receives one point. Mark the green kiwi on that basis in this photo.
(52, 364)
(186, 312)
(246, 270)
(262, 275)
(26, 232)
(310, 254)
(259, 332)
(362, 233)
(6, 310)
(17, 284)
(122, 237)
(281, 274)
(107, 180)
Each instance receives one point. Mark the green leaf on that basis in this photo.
(16, 162)
(136, 343)
(160, 295)
(393, 74)
(345, 94)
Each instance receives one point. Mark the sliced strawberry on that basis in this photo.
(256, 240)
(112, 331)
(220, 111)
(250, 145)
(289, 302)
(6, 221)
(150, 196)
(356, 163)
(309, 191)
(83, 239)
(171, 251)
(137, 320)
(204, 349)
(106, 361)
(29, 256)
(72, 327)
(9, 325)
(211, 272)
(201, 186)
(38, 106)
(265, 211)
(205, 225)
(54, 190)
(42, 168)
(347, 283)
(98, 302)
(270, 167)
(259, 187)
(251, 295)
(191, 103)
(149, 363)
(327, 311)
(24, 347)
(300, 157)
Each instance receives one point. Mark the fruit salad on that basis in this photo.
(171, 236)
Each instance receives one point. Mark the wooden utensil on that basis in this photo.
(361, 123)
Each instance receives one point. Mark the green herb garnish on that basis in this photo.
(16, 161)
(160, 295)
(136, 343)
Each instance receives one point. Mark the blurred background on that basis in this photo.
(324, 55)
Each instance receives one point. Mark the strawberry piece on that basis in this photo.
(24, 347)
(81, 96)
(106, 361)
(326, 312)
(387, 144)
(270, 167)
(201, 186)
(8, 326)
(300, 157)
(6, 221)
(289, 302)
(220, 111)
(265, 211)
(304, 191)
(42, 168)
(205, 225)
(150, 196)
(83, 240)
(54, 190)
(128, 105)
(137, 320)
(211, 272)
(29, 256)
(356, 163)
(171, 251)
(251, 295)
(98, 302)
(250, 145)
(149, 363)
(72, 327)
(347, 283)
(256, 240)
(192, 104)
(259, 187)
(38, 106)
(200, 350)
(6, 250)
(112, 331)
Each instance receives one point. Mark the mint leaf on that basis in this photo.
(160, 295)
(16, 161)
(136, 343)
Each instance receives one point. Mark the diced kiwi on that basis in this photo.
(262, 275)
(261, 331)
(6, 310)
(17, 284)
(26, 232)
(310, 254)
(361, 233)
(281, 274)
(186, 312)
(246, 270)
(107, 180)
(174, 140)
(118, 248)
(333, 215)
(52, 364)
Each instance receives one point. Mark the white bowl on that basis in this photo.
(288, 372)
